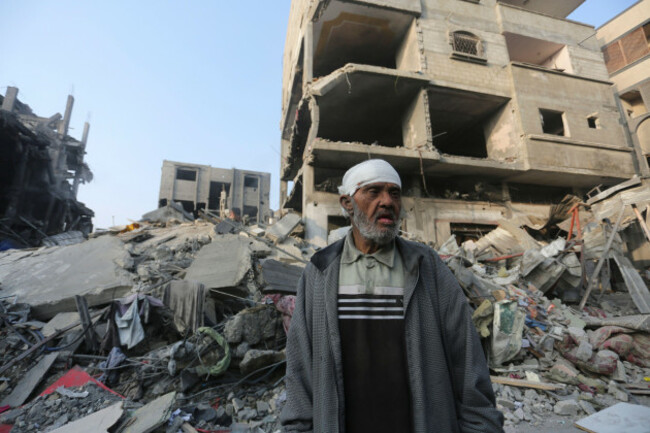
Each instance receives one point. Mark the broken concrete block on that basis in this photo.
(222, 263)
(566, 408)
(49, 279)
(256, 359)
(280, 230)
(252, 325)
(563, 372)
(100, 421)
(616, 391)
(152, 415)
(585, 351)
(587, 407)
(635, 418)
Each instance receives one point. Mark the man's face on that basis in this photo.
(376, 211)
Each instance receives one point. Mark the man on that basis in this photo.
(381, 339)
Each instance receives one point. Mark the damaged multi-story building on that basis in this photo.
(489, 110)
(202, 187)
(41, 168)
(626, 48)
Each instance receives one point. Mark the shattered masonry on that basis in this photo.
(41, 168)
(488, 109)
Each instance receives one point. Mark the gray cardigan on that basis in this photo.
(448, 376)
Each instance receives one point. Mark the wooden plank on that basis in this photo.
(30, 381)
(521, 383)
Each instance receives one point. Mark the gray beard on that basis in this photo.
(370, 230)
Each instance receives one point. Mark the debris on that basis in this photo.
(153, 414)
(627, 417)
(280, 277)
(172, 212)
(100, 421)
(280, 230)
(31, 380)
(221, 264)
(49, 278)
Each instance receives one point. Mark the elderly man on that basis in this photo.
(381, 339)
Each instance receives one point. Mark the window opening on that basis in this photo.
(593, 122)
(251, 181)
(183, 174)
(633, 103)
(214, 195)
(552, 122)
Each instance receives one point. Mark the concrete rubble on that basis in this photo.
(186, 322)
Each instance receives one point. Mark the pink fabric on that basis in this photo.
(285, 305)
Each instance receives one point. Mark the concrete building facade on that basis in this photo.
(489, 109)
(199, 187)
(625, 42)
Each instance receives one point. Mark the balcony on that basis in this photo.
(554, 8)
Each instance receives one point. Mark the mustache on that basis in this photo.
(384, 213)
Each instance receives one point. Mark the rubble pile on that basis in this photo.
(173, 324)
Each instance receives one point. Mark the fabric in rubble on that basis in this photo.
(507, 332)
(187, 300)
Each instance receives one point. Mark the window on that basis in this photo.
(251, 181)
(466, 45)
(593, 122)
(552, 122)
(633, 103)
(183, 174)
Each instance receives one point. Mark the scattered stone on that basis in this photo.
(566, 407)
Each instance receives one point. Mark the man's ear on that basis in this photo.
(346, 203)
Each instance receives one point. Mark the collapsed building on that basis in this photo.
(41, 167)
(488, 109)
(626, 48)
(202, 187)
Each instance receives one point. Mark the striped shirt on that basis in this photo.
(371, 321)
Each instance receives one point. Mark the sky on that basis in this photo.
(193, 81)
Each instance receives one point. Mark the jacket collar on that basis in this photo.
(411, 254)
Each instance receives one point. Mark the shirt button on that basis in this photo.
(370, 264)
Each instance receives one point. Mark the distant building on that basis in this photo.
(626, 46)
(41, 167)
(198, 186)
(488, 109)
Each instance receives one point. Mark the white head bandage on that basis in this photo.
(367, 172)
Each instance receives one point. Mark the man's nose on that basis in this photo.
(386, 199)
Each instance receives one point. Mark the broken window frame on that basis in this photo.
(467, 46)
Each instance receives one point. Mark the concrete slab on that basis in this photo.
(222, 263)
(152, 415)
(175, 237)
(30, 381)
(99, 421)
(280, 230)
(48, 279)
(622, 417)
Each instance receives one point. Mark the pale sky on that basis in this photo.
(193, 81)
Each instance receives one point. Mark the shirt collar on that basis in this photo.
(385, 255)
